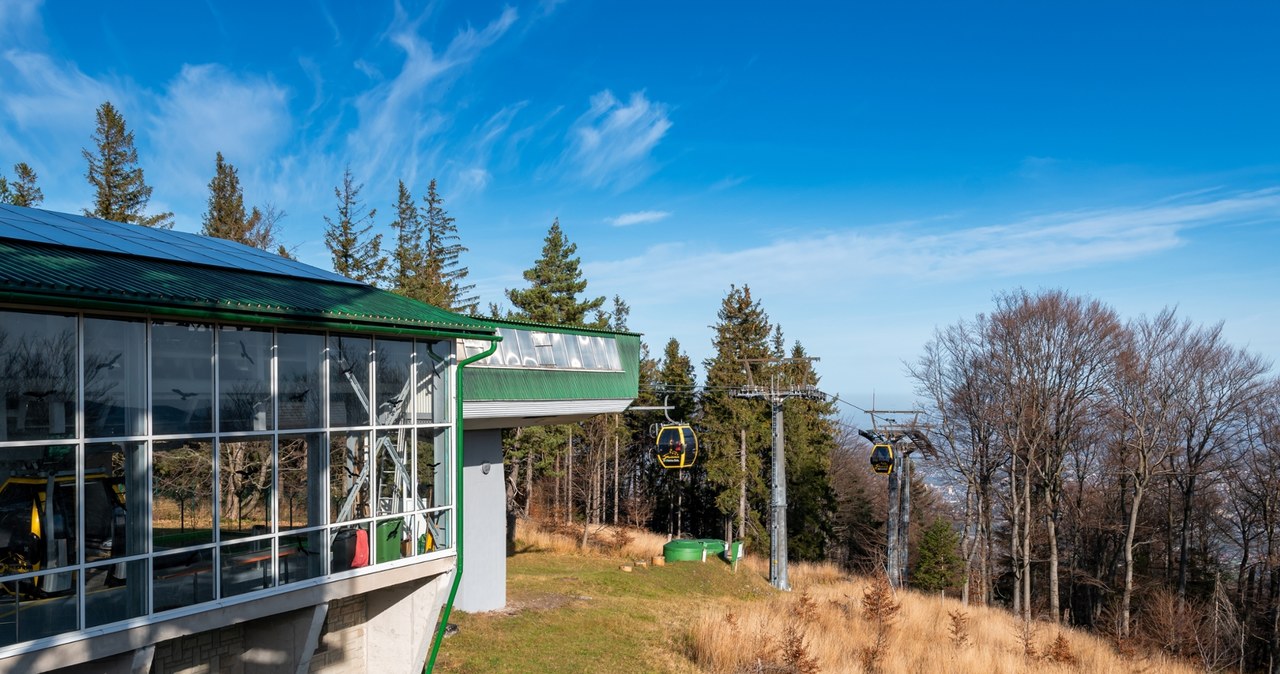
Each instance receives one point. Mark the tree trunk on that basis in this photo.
(568, 492)
(1183, 559)
(1126, 599)
(615, 477)
(1026, 542)
(969, 545)
(1014, 539)
(1052, 532)
(528, 482)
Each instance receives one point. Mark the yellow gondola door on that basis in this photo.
(677, 446)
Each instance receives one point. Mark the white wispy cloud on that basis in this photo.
(469, 175)
(19, 20)
(899, 280)
(726, 183)
(398, 116)
(46, 117)
(207, 109)
(851, 258)
(637, 218)
(612, 143)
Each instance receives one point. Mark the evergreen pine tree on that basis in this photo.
(120, 192)
(225, 217)
(356, 254)
(938, 566)
(23, 191)
(742, 333)
(554, 284)
(408, 263)
(445, 281)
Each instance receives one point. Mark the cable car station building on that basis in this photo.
(216, 459)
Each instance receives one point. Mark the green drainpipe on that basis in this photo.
(457, 576)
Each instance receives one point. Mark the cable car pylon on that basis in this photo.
(891, 447)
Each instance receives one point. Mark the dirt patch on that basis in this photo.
(541, 602)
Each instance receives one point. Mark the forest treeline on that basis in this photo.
(1121, 474)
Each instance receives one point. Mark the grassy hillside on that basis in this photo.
(570, 611)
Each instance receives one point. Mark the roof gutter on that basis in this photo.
(458, 477)
(48, 301)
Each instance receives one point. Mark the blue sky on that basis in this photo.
(871, 172)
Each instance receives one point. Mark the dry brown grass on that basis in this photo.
(603, 541)
(821, 626)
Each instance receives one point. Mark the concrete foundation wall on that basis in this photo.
(484, 512)
(375, 624)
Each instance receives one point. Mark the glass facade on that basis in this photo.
(156, 466)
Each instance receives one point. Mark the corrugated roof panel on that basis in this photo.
(75, 276)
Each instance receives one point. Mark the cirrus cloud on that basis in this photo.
(637, 218)
(612, 143)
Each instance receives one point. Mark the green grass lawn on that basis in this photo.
(584, 614)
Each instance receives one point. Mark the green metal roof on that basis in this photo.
(501, 383)
(58, 276)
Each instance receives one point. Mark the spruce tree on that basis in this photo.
(120, 192)
(356, 254)
(939, 565)
(23, 191)
(226, 217)
(408, 263)
(554, 284)
(741, 333)
(445, 276)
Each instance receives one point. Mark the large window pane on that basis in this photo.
(350, 548)
(350, 474)
(247, 484)
(433, 468)
(181, 378)
(394, 399)
(37, 376)
(301, 556)
(38, 511)
(116, 527)
(302, 481)
(115, 378)
(182, 579)
(115, 592)
(182, 510)
(431, 530)
(348, 382)
(35, 616)
(301, 359)
(244, 380)
(247, 567)
(433, 382)
(394, 472)
(528, 351)
(116, 519)
(587, 348)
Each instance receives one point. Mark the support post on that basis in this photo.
(891, 523)
(778, 532)
(904, 526)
